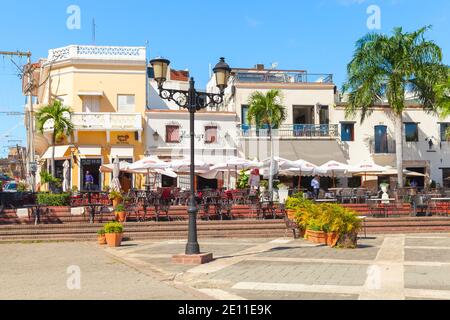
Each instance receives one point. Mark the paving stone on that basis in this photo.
(433, 278)
(427, 255)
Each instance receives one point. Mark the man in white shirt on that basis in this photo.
(315, 185)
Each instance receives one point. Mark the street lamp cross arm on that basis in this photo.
(181, 98)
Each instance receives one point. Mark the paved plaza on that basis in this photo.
(383, 267)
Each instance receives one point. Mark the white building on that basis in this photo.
(317, 130)
(168, 130)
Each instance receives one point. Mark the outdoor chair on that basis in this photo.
(375, 209)
(420, 205)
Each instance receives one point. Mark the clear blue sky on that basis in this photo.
(315, 35)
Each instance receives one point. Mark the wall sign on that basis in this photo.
(123, 139)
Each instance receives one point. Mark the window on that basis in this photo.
(411, 132)
(381, 140)
(91, 104)
(210, 134)
(172, 134)
(126, 103)
(444, 128)
(244, 115)
(347, 132)
(446, 177)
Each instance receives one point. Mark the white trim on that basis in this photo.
(122, 152)
(91, 93)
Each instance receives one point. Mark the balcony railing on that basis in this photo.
(382, 147)
(97, 52)
(274, 76)
(104, 121)
(306, 131)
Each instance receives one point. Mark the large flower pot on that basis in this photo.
(101, 240)
(116, 202)
(319, 237)
(291, 214)
(332, 239)
(114, 239)
(348, 241)
(121, 216)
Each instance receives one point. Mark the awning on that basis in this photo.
(314, 151)
(122, 152)
(90, 151)
(90, 93)
(60, 152)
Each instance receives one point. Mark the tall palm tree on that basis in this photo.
(62, 125)
(267, 110)
(387, 67)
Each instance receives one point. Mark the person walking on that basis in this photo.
(88, 181)
(315, 185)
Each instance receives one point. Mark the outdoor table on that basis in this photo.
(36, 209)
(444, 200)
(92, 207)
(383, 203)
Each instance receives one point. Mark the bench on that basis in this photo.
(290, 225)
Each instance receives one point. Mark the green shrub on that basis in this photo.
(54, 200)
(120, 208)
(113, 227)
(243, 180)
(115, 195)
(51, 180)
(101, 232)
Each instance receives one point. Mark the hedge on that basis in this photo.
(54, 200)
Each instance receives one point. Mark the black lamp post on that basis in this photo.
(193, 101)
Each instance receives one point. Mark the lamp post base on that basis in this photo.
(194, 259)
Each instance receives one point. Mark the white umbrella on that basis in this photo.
(301, 167)
(149, 163)
(332, 168)
(184, 165)
(281, 163)
(366, 167)
(66, 182)
(236, 164)
(115, 183)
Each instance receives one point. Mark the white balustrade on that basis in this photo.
(97, 52)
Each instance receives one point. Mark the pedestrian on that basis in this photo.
(315, 185)
(89, 181)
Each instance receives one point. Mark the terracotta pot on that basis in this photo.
(319, 237)
(290, 214)
(101, 240)
(332, 239)
(121, 216)
(116, 202)
(114, 239)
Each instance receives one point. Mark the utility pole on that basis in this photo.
(31, 166)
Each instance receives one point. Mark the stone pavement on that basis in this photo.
(383, 267)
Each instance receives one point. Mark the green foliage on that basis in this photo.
(120, 208)
(75, 189)
(113, 227)
(115, 195)
(106, 188)
(101, 232)
(22, 187)
(266, 109)
(54, 200)
(323, 217)
(48, 178)
(243, 180)
(433, 184)
(59, 114)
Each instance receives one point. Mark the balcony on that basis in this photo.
(276, 76)
(103, 121)
(383, 147)
(292, 131)
(97, 53)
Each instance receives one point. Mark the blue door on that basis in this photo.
(381, 139)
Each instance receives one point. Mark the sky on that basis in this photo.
(313, 35)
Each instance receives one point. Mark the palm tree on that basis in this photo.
(267, 110)
(62, 125)
(387, 67)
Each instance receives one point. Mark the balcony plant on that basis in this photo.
(101, 238)
(120, 213)
(113, 234)
(116, 198)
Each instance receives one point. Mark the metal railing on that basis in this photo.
(384, 147)
(291, 131)
(274, 76)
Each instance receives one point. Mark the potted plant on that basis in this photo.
(315, 232)
(120, 213)
(116, 198)
(101, 238)
(113, 234)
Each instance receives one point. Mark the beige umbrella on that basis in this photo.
(66, 173)
(115, 183)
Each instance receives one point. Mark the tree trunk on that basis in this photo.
(399, 148)
(271, 166)
(53, 153)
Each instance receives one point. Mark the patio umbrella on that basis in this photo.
(365, 168)
(332, 168)
(301, 167)
(150, 163)
(236, 164)
(66, 182)
(184, 165)
(115, 183)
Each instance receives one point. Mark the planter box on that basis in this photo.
(319, 237)
(332, 239)
(121, 216)
(114, 239)
(101, 240)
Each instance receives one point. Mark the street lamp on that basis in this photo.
(193, 101)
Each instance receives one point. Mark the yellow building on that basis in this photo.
(106, 89)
